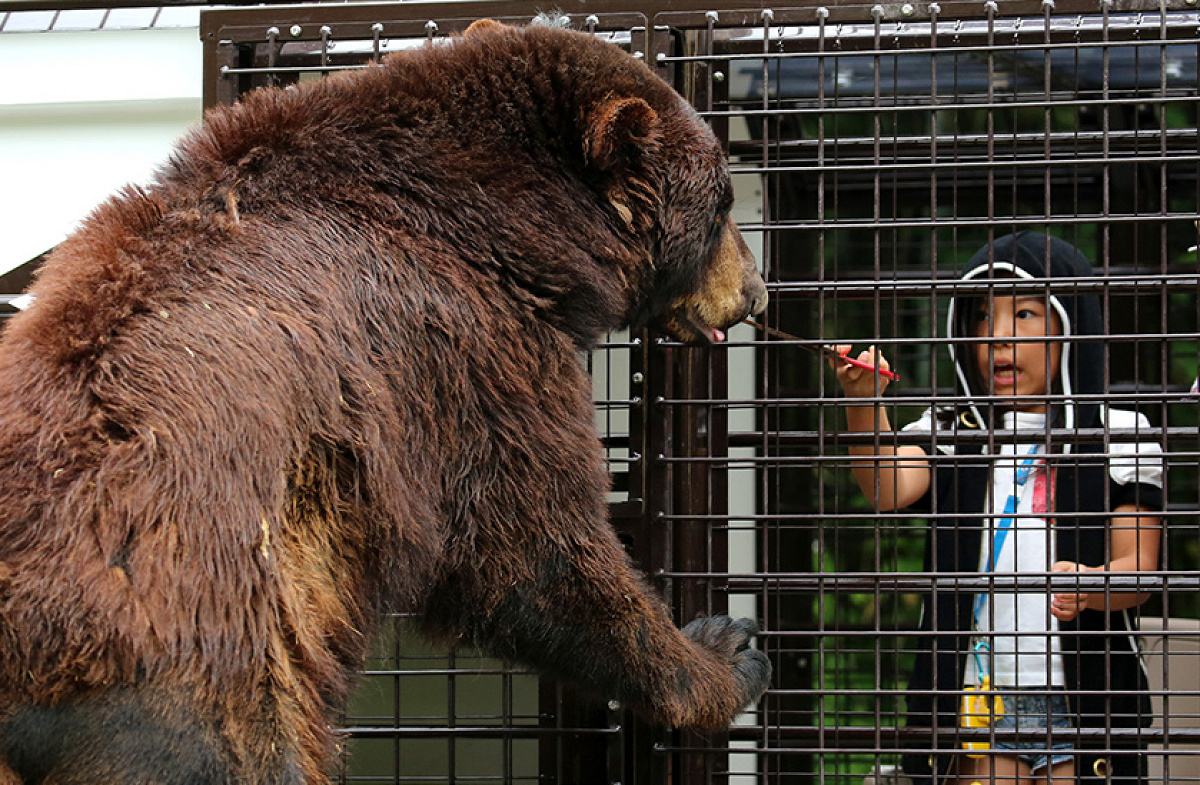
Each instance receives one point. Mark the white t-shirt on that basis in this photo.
(1025, 648)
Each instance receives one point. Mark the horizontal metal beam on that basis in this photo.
(7, 6)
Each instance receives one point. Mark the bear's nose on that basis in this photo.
(758, 301)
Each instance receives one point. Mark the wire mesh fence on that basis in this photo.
(879, 152)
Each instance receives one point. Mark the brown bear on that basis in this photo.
(327, 365)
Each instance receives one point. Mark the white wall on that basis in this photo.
(81, 114)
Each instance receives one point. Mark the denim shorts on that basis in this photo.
(1028, 711)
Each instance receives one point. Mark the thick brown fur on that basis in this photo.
(327, 365)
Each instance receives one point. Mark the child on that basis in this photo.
(1032, 507)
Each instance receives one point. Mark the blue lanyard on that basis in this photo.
(1005, 524)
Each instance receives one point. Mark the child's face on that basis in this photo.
(1020, 370)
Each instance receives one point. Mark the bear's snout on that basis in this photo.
(735, 256)
(730, 291)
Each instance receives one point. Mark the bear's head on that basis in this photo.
(659, 174)
(670, 184)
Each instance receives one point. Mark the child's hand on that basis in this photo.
(859, 382)
(1065, 607)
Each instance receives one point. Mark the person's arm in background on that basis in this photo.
(904, 478)
(1135, 536)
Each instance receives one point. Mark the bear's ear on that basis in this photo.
(618, 131)
(481, 25)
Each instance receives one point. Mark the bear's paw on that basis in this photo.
(730, 639)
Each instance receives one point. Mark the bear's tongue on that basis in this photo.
(711, 334)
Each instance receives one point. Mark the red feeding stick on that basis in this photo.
(824, 350)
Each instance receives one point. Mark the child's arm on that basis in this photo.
(1134, 537)
(901, 481)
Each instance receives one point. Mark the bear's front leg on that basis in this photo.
(571, 606)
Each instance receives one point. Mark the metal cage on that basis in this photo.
(875, 149)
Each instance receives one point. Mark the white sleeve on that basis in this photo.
(928, 423)
(1133, 461)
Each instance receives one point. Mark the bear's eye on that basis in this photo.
(715, 229)
(724, 207)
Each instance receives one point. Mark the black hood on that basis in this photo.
(1049, 267)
